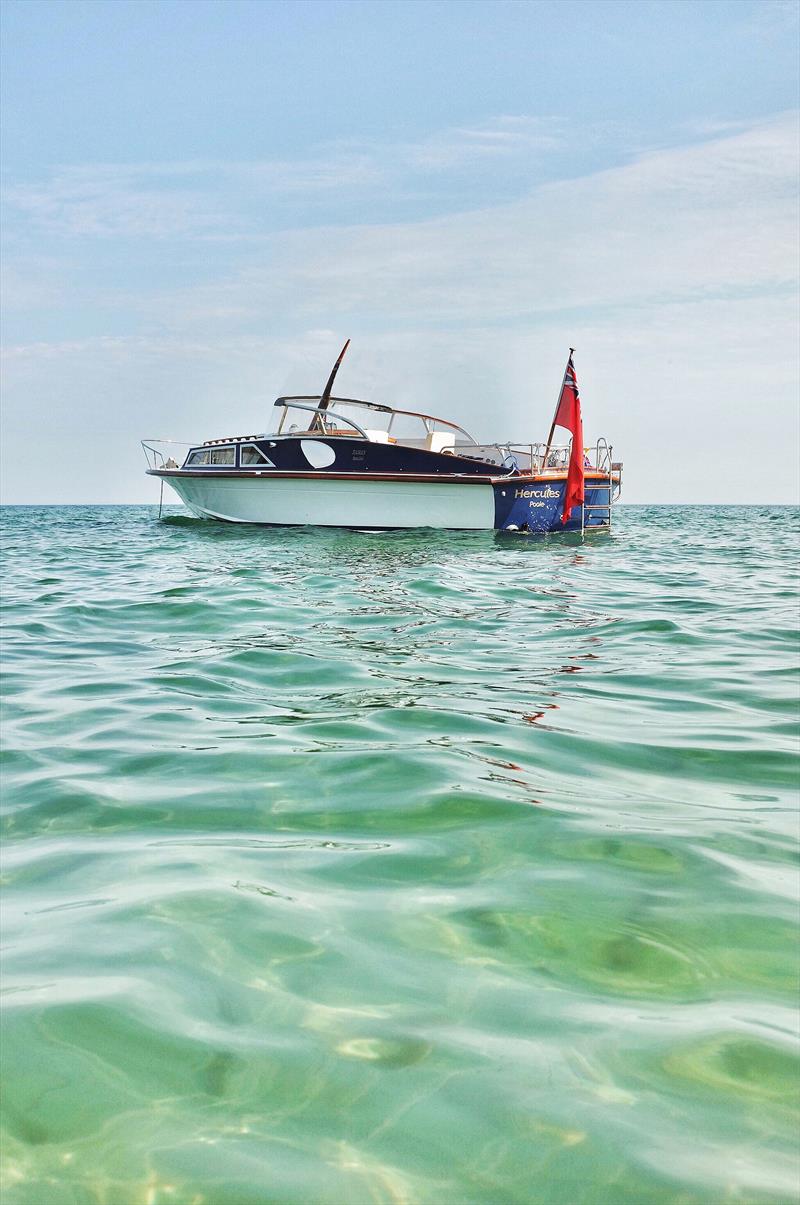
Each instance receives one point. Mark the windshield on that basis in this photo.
(300, 418)
(347, 417)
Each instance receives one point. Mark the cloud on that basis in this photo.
(504, 137)
(206, 199)
(36, 285)
(674, 275)
(101, 202)
(710, 220)
(700, 402)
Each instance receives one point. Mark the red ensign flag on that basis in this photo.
(568, 414)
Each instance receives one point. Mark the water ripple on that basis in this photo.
(399, 867)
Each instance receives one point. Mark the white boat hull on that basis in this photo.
(338, 502)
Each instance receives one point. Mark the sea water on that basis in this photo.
(402, 867)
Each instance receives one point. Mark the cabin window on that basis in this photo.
(250, 454)
(198, 457)
(223, 456)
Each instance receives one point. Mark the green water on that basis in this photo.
(399, 868)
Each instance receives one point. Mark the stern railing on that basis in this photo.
(530, 457)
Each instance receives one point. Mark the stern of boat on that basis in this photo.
(535, 502)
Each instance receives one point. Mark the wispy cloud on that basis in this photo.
(109, 203)
(686, 394)
(228, 201)
(688, 223)
(503, 137)
(207, 198)
(711, 219)
(674, 274)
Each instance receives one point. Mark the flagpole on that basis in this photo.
(555, 415)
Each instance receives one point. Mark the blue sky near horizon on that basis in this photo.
(202, 200)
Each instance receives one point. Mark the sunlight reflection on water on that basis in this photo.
(403, 867)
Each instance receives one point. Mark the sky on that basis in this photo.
(201, 199)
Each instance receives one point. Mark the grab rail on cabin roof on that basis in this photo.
(290, 399)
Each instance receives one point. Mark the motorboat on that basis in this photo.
(341, 462)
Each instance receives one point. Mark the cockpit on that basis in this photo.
(354, 419)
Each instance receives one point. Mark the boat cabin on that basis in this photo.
(307, 418)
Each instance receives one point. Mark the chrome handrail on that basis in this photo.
(292, 401)
(558, 455)
(154, 456)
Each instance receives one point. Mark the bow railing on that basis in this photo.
(158, 453)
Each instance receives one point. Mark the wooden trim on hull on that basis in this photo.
(398, 478)
(402, 500)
